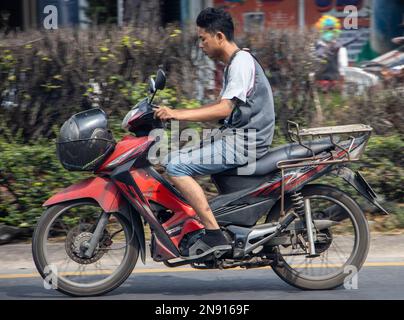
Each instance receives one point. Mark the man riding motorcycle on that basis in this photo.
(245, 103)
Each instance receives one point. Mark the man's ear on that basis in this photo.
(220, 36)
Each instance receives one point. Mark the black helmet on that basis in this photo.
(84, 141)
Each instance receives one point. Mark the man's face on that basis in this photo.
(210, 43)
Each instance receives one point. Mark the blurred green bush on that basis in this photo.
(29, 175)
(47, 76)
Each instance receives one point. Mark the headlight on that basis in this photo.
(125, 124)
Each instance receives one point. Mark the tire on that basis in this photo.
(357, 257)
(123, 272)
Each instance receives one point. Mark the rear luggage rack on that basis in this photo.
(333, 132)
(297, 135)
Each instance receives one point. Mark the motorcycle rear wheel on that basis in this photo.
(297, 275)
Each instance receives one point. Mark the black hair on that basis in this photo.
(214, 20)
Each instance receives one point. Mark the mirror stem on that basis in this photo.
(151, 99)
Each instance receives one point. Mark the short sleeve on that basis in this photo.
(240, 79)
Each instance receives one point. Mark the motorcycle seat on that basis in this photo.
(267, 163)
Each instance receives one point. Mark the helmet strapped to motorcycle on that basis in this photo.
(84, 141)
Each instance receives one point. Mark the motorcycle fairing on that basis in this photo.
(137, 145)
(156, 189)
(125, 182)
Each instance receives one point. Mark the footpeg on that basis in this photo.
(201, 250)
(219, 253)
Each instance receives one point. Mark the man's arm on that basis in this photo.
(208, 112)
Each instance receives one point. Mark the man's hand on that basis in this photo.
(165, 113)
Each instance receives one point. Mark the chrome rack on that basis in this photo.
(298, 135)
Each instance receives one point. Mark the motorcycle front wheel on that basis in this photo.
(58, 248)
(342, 248)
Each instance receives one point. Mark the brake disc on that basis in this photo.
(75, 245)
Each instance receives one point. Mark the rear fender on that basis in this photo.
(356, 180)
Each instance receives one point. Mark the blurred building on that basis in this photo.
(258, 15)
(18, 15)
(379, 20)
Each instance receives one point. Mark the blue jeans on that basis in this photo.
(207, 159)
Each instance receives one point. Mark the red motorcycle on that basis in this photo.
(88, 240)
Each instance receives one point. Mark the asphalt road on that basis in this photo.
(374, 282)
(382, 277)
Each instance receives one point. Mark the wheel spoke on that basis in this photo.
(71, 229)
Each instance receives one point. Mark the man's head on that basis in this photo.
(215, 31)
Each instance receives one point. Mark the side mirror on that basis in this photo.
(152, 85)
(157, 84)
(160, 82)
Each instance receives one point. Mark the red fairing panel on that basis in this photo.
(184, 214)
(127, 143)
(100, 189)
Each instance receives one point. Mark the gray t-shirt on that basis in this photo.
(245, 83)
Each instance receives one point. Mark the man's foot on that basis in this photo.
(212, 241)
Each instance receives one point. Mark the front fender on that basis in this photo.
(101, 189)
(107, 195)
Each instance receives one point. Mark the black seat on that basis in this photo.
(268, 162)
